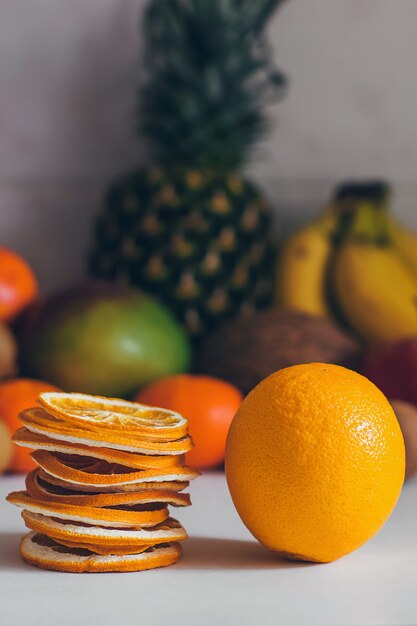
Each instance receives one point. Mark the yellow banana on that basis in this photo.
(301, 272)
(375, 289)
(404, 242)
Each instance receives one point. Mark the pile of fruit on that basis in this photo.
(346, 293)
(193, 232)
(196, 236)
(346, 281)
(107, 471)
(100, 339)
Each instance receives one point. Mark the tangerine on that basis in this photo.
(315, 461)
(18, 284)
(208, 403)
(15, 396)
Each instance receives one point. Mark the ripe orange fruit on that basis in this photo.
(18, 284)
(15, 396)
(315, 461)
(208, 403)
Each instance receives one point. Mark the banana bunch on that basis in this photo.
(374, 280)
(356, 263)
(301, 283)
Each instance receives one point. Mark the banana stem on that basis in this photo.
(362, 212)
(383, 223)
(370, 224)
(363, 225)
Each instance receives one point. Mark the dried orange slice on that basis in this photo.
(120, 517)
(169, 530)
(94, 473)
(23, 437)
(39, 421)
(154, 486)
(85, 411)
(43, 491)
(117, 550)
(44, 552)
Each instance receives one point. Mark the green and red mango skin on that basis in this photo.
(392, 366)
(102, 339)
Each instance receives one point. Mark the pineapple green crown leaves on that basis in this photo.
(210, 77)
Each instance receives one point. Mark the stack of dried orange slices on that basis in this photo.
(107, 471)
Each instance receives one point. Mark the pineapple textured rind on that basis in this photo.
(199, 241)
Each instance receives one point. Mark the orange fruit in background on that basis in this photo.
(15, 396)
(208, 403)
(315, 461)
(18, 284)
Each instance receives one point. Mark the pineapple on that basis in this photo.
(191, 229)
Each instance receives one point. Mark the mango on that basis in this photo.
(102, 339)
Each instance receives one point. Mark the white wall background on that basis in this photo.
(68, 75)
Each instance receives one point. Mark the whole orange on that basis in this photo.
(18, 284)
(208, 403)
(15, 396)
(315, 461)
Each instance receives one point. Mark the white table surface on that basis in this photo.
(224, 578)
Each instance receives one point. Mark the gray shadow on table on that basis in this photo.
(200, 553)
(210, 553)
(10, 558)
